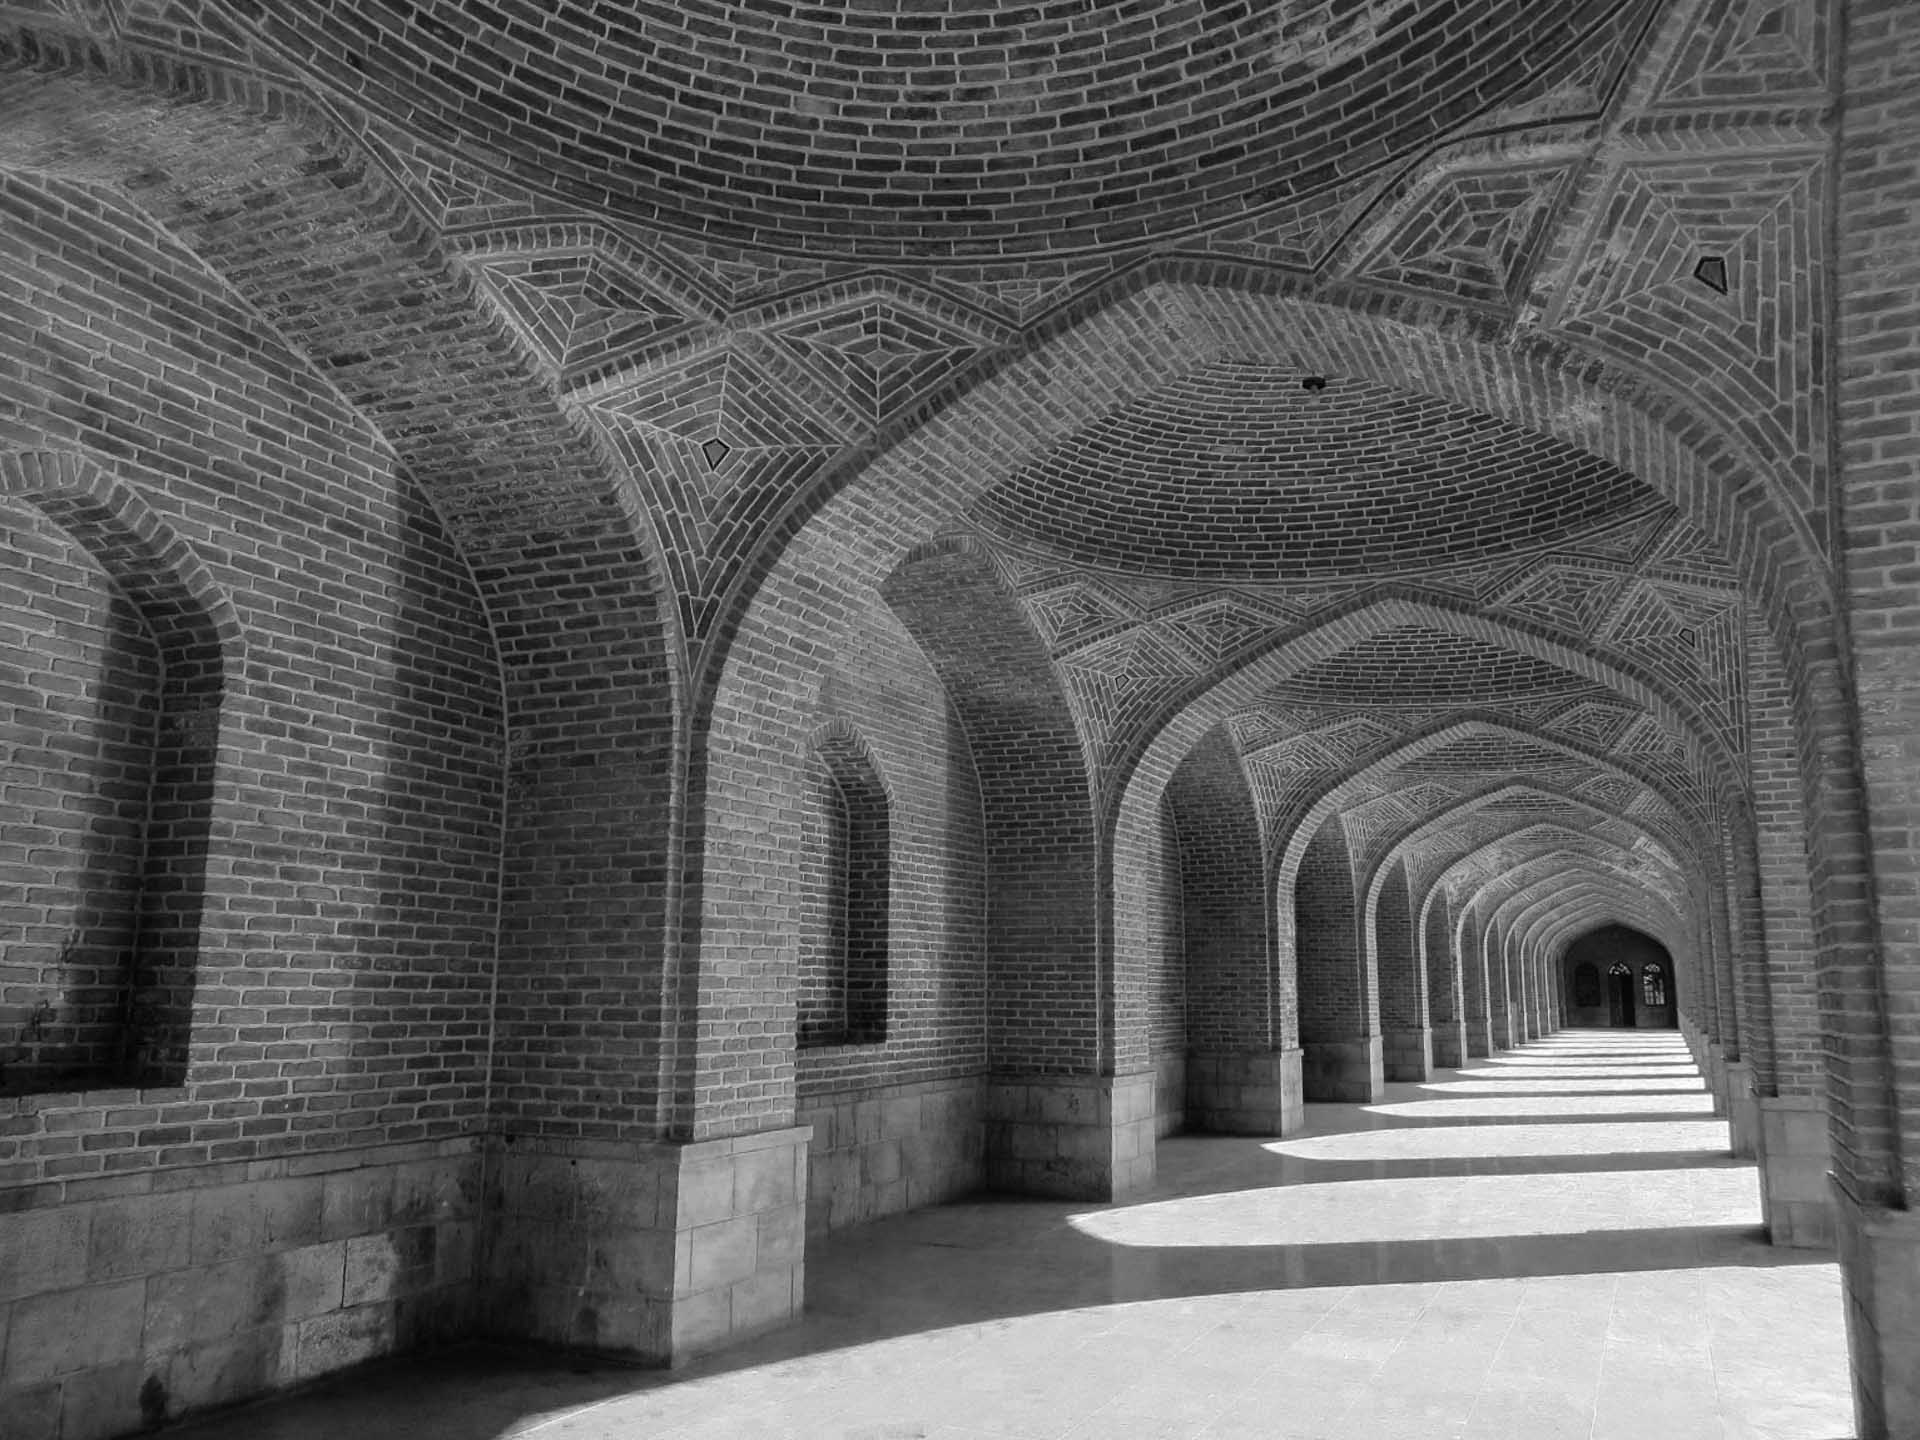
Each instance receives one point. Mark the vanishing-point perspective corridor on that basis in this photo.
(1551, 1245)
(862, 717)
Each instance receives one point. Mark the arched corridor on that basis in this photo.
(642, 638)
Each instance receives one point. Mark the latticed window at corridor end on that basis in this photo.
(729, 718)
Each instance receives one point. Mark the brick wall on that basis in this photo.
(1336, 1003)
(1403, 987)
(343, 956)
(1149, 940)
(1231, 984)
(897, 1121)
(1878, 416)
(80, 682)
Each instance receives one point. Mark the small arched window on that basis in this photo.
(1653, 984)
(846, 935)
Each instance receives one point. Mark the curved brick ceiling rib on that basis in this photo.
(1207, 700)
(1493, 782)
(1423, 833)
(1594, 906)
(1572, 902)
(1555, 845)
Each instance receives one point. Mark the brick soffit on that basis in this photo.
(724, 365)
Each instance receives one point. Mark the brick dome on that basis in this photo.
(898, 129)
(1237, 472)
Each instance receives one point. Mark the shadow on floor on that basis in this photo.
(991, 1263)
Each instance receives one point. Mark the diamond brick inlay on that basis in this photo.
(1473, 235)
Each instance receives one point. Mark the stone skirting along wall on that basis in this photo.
(881, 1150)
(1794, 1152)
(149, 1297)
(1075, 1137)
(655, 1252)
(1247, 1093)
(1169, 1093)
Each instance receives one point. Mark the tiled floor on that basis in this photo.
(1550, 1244)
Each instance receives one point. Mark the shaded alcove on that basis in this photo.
(111, 724)
(1618, 977)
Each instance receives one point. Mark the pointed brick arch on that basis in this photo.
(1386, 608)
(136, 953)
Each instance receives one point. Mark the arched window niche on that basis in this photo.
(114, 651)
(845, 929)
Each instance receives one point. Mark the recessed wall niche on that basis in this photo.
(111, 681)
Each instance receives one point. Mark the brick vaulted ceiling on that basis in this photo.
(1237, 472)
(740, 243)
(901, 130)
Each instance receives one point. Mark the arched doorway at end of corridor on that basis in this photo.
(1619, 978)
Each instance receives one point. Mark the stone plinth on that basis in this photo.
(1793, 1152)
(1407, 1053)
(1169, 1093)
(1716, 1071)
(1880, 1279)
(1072, 1137)
(1349, 1070)
(1479, 1038)
(177, 1291)
(1244, 1093)
(654, 1252)
(881, 1150)
(1450, 1044)
(1743, 1110)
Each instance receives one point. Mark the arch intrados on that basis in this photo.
(1527, 882)
(1592, 915)
(845, 752)
(1521, 873)
(1446, 732)
(1542, 913)
(160, 574)
(1472, 804)
(1585, 894)
(1163, 317)
(1685, 868)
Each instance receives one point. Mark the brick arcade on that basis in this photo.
(631, 632)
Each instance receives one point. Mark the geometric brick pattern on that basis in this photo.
(887, 562)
